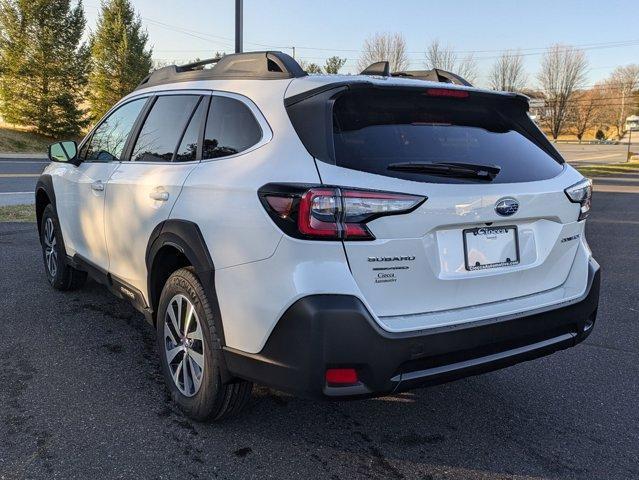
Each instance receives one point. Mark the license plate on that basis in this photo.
(491, 247)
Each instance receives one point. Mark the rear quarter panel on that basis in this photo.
(220, 195)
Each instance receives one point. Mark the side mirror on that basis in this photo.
(66, 152)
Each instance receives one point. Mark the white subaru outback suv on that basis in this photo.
(332, 236)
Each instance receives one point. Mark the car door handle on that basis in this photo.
(159, 195)
(97, 186)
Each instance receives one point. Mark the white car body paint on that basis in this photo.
(260, 271)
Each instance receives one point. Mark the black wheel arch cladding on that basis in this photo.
(44, 194)
(186, 238)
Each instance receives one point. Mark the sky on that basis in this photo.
(183, 30)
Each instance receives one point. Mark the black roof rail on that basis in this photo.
(251, 65)
(435, 75)
(199, 65)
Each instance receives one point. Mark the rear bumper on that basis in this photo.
(332, 331)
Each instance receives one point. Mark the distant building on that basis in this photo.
(537, 105)
(632, 123)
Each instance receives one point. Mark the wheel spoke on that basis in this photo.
(170, 354)
(49, 233)
(188, 381)
(169, 333)
(196, 334)
(176, 374)
(197, 379)
(171, 313)
(179, 315)
(198, 358)
(187, 320)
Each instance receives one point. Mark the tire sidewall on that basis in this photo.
(206, 401)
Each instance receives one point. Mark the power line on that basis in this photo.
(532, 51)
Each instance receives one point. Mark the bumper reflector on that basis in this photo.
(341, 376)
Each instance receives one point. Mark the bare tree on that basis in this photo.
(507, 73)
(622, 93)
(390, 47)
(445, 58)
(562, 72)
(585, 110)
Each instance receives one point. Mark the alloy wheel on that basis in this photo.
(184, 345)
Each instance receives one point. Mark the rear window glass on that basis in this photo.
(231, 128)
(374, 128)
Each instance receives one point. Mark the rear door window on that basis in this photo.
(163, 128)
(230, 128)
(374, 128)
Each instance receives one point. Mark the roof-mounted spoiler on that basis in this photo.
(434, 75)
(378, 68)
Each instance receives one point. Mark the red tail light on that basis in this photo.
(331, 213)
(446, 92)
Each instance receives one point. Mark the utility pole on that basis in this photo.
(629, 142)
(293, 48)
(239, 25)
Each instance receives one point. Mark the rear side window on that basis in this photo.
(374, 128)
(187, 150)
(230, 128)
(110, 137)
(163, 128)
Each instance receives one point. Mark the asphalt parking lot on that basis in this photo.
(81, 395)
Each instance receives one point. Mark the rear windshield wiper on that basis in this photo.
(449, 169)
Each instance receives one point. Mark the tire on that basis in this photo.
(190, 366)
(59, 273)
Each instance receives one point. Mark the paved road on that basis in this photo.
(81, 396)
(592, 154)
(18, 176)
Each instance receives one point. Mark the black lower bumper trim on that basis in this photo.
(332, 331)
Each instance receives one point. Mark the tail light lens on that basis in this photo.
(331, 213)
(446, 92)
(581, 192)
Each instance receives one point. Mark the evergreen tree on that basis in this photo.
(120, 59)
(333, 64)
(43, 65)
